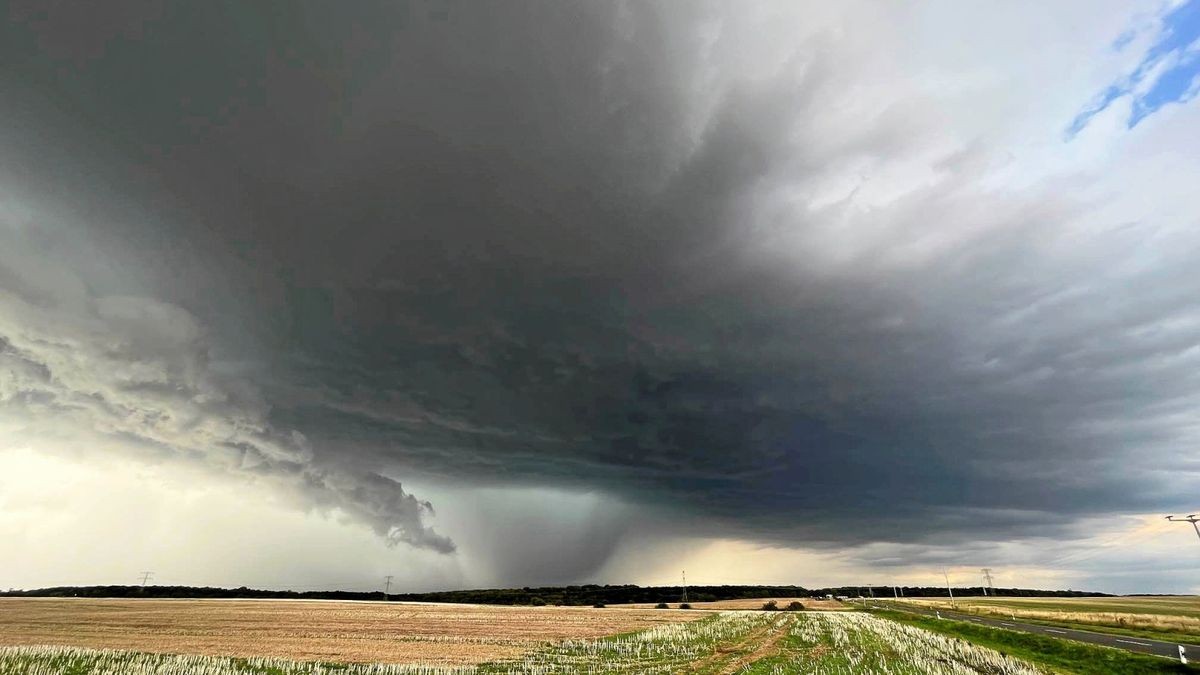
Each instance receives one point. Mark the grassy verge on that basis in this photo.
(1165, 636)
(1065, 656)
(997, 612)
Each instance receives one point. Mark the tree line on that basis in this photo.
(581, 595)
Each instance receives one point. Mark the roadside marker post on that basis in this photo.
(1182, 655)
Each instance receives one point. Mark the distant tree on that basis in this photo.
(537, 601)
(684, 605)
(770, 606)
(553, 595)
(598, 605)
(662, 605)
(795, 606)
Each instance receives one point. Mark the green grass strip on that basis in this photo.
(1165, 636)
(1064, 656)
(1111, 629)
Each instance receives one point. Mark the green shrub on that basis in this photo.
(684, 605)
(662, 605)
(770, 606)
(795, 606)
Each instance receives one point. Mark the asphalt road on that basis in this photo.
(1133, 644)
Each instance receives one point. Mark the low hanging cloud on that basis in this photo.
(765, 271)
(80, 371)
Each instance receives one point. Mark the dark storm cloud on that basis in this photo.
(576, 244)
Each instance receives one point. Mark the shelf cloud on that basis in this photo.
(781, 272)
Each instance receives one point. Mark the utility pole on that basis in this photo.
(948, 589)
(987, 577)
(387, 588)
(683, 577)
(1190, 518)
(146, 577)
(895, 593)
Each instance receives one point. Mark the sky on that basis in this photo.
(303, 294)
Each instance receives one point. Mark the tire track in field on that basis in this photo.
(728, 659)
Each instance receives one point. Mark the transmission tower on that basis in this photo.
(387, 587)
(1191, 518)
(683, 577)
(146, 577)
(987, 577)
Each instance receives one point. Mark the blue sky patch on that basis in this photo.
(1166, 74)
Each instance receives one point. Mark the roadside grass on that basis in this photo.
(1064, 656)
(1165, 636)
(1146, 622)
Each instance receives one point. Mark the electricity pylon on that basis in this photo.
(1190, 518)
(987, 577)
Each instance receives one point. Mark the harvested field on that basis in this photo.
(724, 643)
(344, 632)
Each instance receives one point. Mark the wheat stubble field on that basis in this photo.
(703, 642)
(45, 636)
(343, 632)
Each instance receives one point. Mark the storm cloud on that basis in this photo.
(740, 266)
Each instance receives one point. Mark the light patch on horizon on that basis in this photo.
(125, 516)
(1117, 555)
(87, 522)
